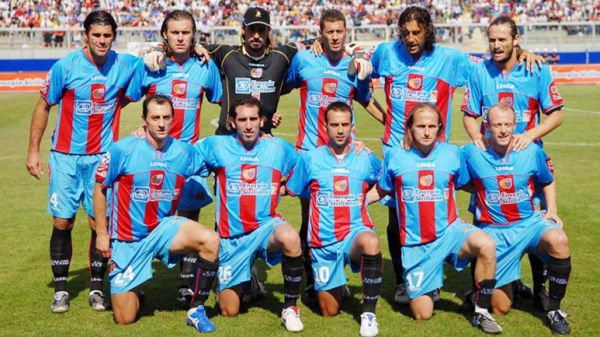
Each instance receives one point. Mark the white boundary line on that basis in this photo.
(597, 113)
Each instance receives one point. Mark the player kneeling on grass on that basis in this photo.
(146, 176)
(248, 172)
(340, 230)
(423, 178)
(503, 180)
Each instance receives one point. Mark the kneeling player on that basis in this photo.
(146, 176)
(505, 210)
(340, 230)
(423, 180)
(248, 172)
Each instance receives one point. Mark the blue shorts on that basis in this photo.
(195, 194)
(512, 241)
(237, 255)
(132, 261)
(329, 262)
(424, 264)
(72, 179)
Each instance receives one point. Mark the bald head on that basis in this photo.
(501, 125)
(500, 110)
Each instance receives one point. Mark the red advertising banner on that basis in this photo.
(21, 81)
(576, 74)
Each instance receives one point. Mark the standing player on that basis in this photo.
(184, 81)
(89, 86)
(248, 172)
(340, 229)
(504, 182)
(146, 177)
(322, 80)
(501, 79)
(423, 176)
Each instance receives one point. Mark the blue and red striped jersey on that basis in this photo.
(90, 98)
(430, 79)
(506, 184)
(186, 84)
(247, 182)
(338, 189)
(146, 183)
(321, 83)
(528, 93)
(424, 187)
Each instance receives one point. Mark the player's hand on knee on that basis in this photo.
(155, 59)
(360, 64)
(34, 165)
(103, 245)
(553, 217)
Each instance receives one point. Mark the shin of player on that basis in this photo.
(340, 231)
(147, 229)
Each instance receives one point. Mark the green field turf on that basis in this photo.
(25, 227)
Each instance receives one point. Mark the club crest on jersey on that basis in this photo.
(507, 101)
(340, 186)
(180, 88)
(426, 181)
(554, 92)
(249, 173)
(157, 179)
(99, 93)
(330, 87)
(46, 84)
(256, 72)
(506, 183)
(415, 83)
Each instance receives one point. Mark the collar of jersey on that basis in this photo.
(267, 51)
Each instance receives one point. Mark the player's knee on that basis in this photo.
(421, 314)
(211, 243)
(228, 309)
(501, 309)
(500, 303)
(63, 224)
(486, 248)
(329, 308)
(289, 238)
(558, 243)
(124, 317)
(370, 244)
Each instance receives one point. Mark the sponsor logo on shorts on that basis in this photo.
(249, 86)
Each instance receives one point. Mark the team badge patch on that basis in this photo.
(249, 173)
(330, 87)
(157, 179)
(507, 101)
(256, 72)
(426, 181)
(180, 88)
(506, 183)
(415, 83)
(46, 84)
(340, 186)
(99, 93)
(554, 93)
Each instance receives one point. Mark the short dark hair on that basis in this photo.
(177, 15)
(157, 99)
(408, 137)
(331, 15)
(505, 20)
(423, 19)
(338, 106)
(247, 100)
(102, 18)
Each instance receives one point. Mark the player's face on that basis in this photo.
(501, 124)
(339, 126)
(333, 36)
(501, 43)
(247, 124)
(255, 37)
(158, 121)
(179, 36)
(413, 36)
(425, 128)
(99, 40)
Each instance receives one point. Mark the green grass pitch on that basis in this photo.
(25, 227)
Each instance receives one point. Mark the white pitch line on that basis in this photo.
(597, 113)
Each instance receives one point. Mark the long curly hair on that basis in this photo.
(423, 19)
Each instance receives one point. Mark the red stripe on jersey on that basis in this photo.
(151, 90)
(387, 132)
(506, 185)
(443, 96)
(531, 191)
(275, 186)
(196, 134)
(531, 113)
(315, 212)
(157, 178)
(341, 214)
(179, 182)
(117, 118)
(364, 214)
(484, 215)
(95, 120)
(223, 220)
(124, 230)
(178, 92)
(302, 115)
(65, 126)
(452, 214)
(400, 209)
(427, 208)
(248, 202)
(328, 89)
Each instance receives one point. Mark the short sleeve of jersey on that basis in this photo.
(544, 172)
(52, 89)
(363, 92)
(462, 176)
(218, 52)
(377, 61)
(112, 164)
(375, 169)
(291, 156)
(464, 68)
(289, 50)
(297, 182)
(473, 97)
(135, 89)
(386, 178)
(292, 78)
(214, 90)
(205, 149)
(550, 99)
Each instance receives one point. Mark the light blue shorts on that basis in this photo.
(195, 194)
(424, 264)
(132, 261)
